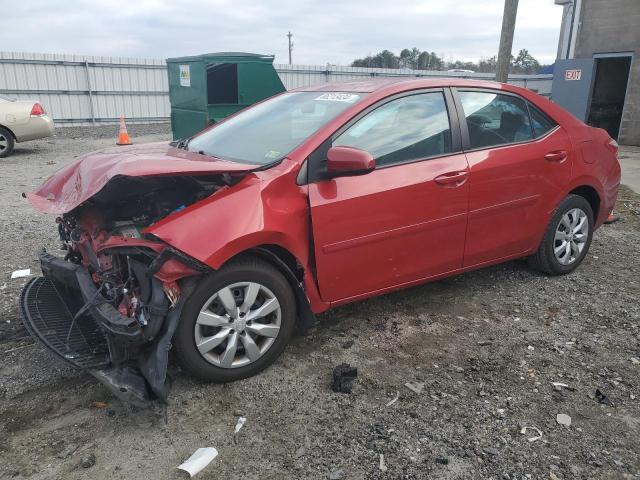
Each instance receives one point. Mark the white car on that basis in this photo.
(21, 121)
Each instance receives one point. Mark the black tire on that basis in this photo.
(6, 135)
(247, 269)
(544, 259)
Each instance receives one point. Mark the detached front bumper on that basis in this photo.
(48, 318)
(51, 313)
(77, 284)
(65, 311)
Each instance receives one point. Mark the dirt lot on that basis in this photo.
(486, 345)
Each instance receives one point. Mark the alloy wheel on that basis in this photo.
(4, 143)
(571, 236)
(237, 325)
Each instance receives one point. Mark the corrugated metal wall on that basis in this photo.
(81, 90)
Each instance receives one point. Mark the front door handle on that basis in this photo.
(452, 179)
(558, 156)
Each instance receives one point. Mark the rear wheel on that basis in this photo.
(567, 239)
(6, 142)
(237, 322)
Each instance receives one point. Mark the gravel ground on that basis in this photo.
(482, 349)
(136, 130)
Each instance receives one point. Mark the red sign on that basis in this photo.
(572, 74)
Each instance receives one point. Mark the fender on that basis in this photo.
(305, 314)
(264, 208)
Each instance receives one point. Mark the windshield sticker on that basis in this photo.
(339, 97)
(272, 154)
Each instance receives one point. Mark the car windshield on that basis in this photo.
(270, 130)
(6, 99)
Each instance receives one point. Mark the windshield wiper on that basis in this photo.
(267, 166)
(182, 144)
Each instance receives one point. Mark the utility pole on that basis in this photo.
(506, 40)
(289, 35)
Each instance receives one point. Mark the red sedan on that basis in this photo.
(220, 244)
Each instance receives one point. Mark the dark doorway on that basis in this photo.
(222, 83)
(609, 90)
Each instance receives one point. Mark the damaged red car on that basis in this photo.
(219, 245)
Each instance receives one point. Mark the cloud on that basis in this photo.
(328, 31)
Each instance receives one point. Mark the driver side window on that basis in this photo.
(409, 128)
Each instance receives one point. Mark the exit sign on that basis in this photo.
(572, 74)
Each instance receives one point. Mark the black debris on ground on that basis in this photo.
(343, 377)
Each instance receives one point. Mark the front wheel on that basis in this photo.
(237, 322)
(567, 239)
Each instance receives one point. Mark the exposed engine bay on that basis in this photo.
(143, 201)
(128, 283)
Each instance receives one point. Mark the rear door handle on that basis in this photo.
(557, 156)
(452, 179)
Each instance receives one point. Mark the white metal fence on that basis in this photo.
(294, 76)
(85, 90)
(78, 89)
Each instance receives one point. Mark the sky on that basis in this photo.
(327, 31)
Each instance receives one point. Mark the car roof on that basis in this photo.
(401, 84)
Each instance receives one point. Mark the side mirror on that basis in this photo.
(343, 161)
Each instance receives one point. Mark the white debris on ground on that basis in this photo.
(240, 424)
(382, 466)
(198, 461)
(563, 419)
(394, 399)
(20, 273)
(416, 387)
(524, 429)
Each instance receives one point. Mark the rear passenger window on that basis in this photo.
(540, 122)
(408, 128)
(495, 119)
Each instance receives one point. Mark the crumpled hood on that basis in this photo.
(77, 182)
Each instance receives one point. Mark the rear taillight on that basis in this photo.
(37, 110)
(612, 146)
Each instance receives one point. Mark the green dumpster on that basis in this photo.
(204, 89)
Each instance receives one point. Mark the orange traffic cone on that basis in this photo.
(123, 136)
(612, 218)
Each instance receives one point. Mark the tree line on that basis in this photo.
(416, 59)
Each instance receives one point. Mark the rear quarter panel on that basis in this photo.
(40, 126)
(601, 167)
(15, 116)
(594, 165)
